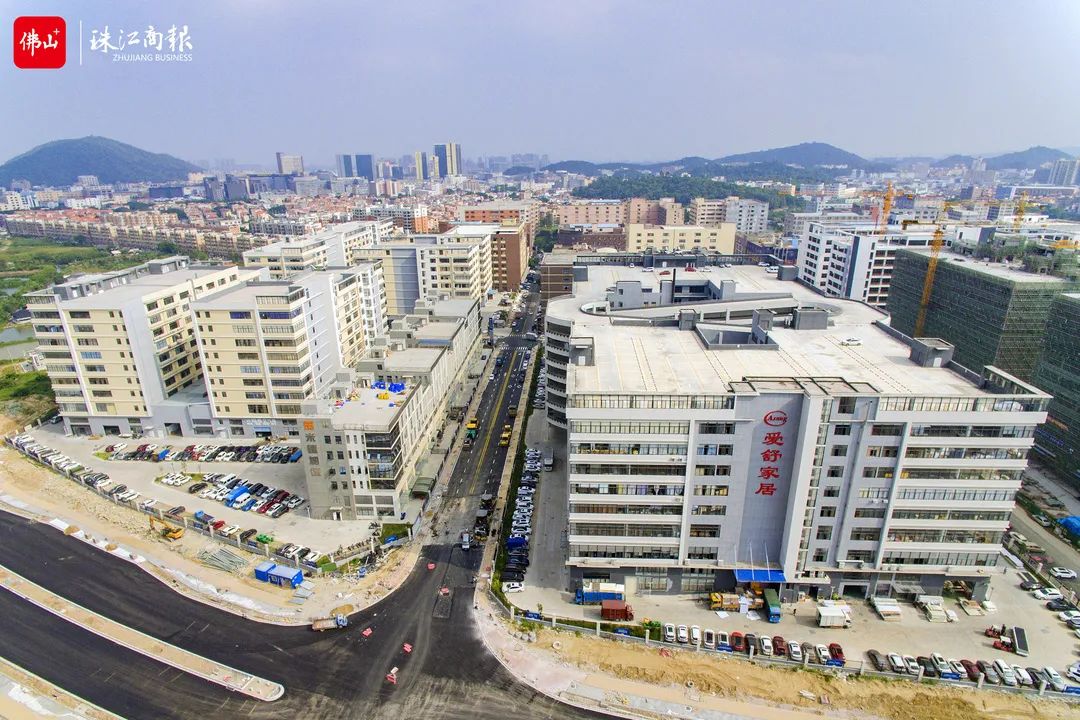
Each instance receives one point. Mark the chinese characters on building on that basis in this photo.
(771, 453)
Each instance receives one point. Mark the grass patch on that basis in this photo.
(14, 386)
(399, 530)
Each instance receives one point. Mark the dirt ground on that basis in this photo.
(735, 679)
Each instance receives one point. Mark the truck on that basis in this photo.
(549, 459)
(724, 601)
(1019, 641)
(466, 540)
(833, 617)
(330, 623)
(616, 610)
(594, 592)
(512, 411)
(772, 604)
(504, 439)
(472, 428)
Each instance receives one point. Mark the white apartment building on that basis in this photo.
(269, 345)
(335, 246)
(749, 216)
(371, 446)
(776, 436)
(10, 201)
(121, 351)
(454, 264)
(412, 218)
(797, 223)
(680, 238)
(284, 226)
(854, 261)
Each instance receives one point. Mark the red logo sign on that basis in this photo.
(776, 418)
(40, 42)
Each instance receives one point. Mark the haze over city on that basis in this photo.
(597, 80)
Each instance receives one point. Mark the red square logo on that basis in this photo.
(40, 42)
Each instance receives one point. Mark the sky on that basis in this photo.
(576, 79)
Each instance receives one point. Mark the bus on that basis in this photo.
(772, 604)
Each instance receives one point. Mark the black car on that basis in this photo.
(196, 487)
(1031, 584)
(878, 660)
(522, 560)
(514, 568)
(929, 669)
(751, 642)
(513, 577)
(1059, 605)
(247, 534)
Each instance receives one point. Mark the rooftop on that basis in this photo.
(368, 408)
(664, 359)
(137, 287)
(1002, 271)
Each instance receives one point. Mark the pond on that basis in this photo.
(14, 333)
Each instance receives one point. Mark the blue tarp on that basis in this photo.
(1071, 525)
(759, 575)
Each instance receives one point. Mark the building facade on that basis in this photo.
(288, 164)
(749, 216)
(499, 211)
(336, 246)
(683, 238)
(769, 437)
(1058, 440)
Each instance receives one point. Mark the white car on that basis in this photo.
(1053, 679)
(512, 587)
(695, 635)
(1073, 671)
(1068, 615)
(683, 634)
(794, 651)
(1063, 573)
(669, 632)
(1047, 594)
(1022, 676)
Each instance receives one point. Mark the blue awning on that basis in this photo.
(759, 575)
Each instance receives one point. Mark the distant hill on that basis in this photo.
(61, 161)
(1028, 159)
(954, 161)
(519, 170)
(806, 154)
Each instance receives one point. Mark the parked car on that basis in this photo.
(751, 643)
(972, 670)
(940, 663)
(822, 652)
(669, 632)
(911, 664)
(1060, 605)
(836, 652)
(738, 642)
(1053, 679)
(765, 645)
(794, 651)
(808, 652)
(987, 669)
(1047, 594)
(779, 645)
(1063, 573)
(878, 660)
(927, 666)
(1023, 676)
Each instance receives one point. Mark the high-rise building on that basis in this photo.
(120, 347)
(449, 157)
(290, 164)
(410, 218)
(1058, 439)
(356, 166)
(423, 169)
(1064, 172)
(993, 314)
(804, 445)
(335, 246)
(749, 216)
(345, 166)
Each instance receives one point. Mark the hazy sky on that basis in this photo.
(591, 79)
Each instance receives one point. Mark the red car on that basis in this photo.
(217, 524)
(738, 642)
(779, 647)
(836, 652)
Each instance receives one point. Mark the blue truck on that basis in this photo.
(595, 592)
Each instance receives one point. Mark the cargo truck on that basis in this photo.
(772, 603)
(330, 623)
(833, 617)
(616, 610)
(592, 593)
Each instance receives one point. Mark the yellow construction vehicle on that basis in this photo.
(166, 530)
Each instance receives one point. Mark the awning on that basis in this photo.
(906, 587)
(423, 486)
(759, 575)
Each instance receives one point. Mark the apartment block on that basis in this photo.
(796, 224)
(556, 275)
(335, 246)
(664, 211)
(855, 261)
(270, 345)
(454, 264)
(749, 216)
(373, 445)
(509, 255)
(775, 436)
(992, 313)
(621, 212)
(410, 218)
(121, 350)
(500, 211)
(684, 238)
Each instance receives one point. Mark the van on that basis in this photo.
(1006, 672)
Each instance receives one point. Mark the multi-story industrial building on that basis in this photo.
(749, 216)
(499, 211)
(1057, 372)
(121, 351)
(621, 212)
(336, 246)
(771, 435)
(855, 261)
(992, 313)
(685, 238)
(454, 264)
(270, 345)
(796, 224)
(371, 446)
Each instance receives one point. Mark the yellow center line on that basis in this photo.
(491, 425)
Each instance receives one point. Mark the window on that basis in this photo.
(882, 451)
(845, 405)
(239, 315)
(861, 555)
(868, 512)
(866, 534)
(708, 531)
(709, 510)
(821, 555)
(711, 470)
(90, 355)
(888, 430)
(841, 429)
(716, 428)
(828, 511)
(831, 491)
(711, 490)
(839, 451)
(836, 471)
(701, 553)
(824, 532)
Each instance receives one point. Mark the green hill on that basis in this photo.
(61, 161)
(1028, 159)
(806, 154)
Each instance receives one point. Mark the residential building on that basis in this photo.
(509, 255)
(664, 211)
(1058, 440)
(410, 218)
(356, 166)
(270, 345)
(686, 238)
(448, 156)
(423, 168)
(1064, 172)
(335, 246)
(275, 225)
(556, 275)
(121, 351)
(371, 447)
(592, 212)
(290, 164)
(992, 313)
(498, 211)
(797, 223)
(773, 436)
(749, 216)
(454, 264)
(855, 261)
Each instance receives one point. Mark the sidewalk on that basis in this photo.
(202, 667)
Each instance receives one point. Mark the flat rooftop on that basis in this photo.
(997, 270)
(138, 287)
(650, 359)
(368, 408)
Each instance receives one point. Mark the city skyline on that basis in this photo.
(547, 61)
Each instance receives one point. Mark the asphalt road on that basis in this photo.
(341, 674)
